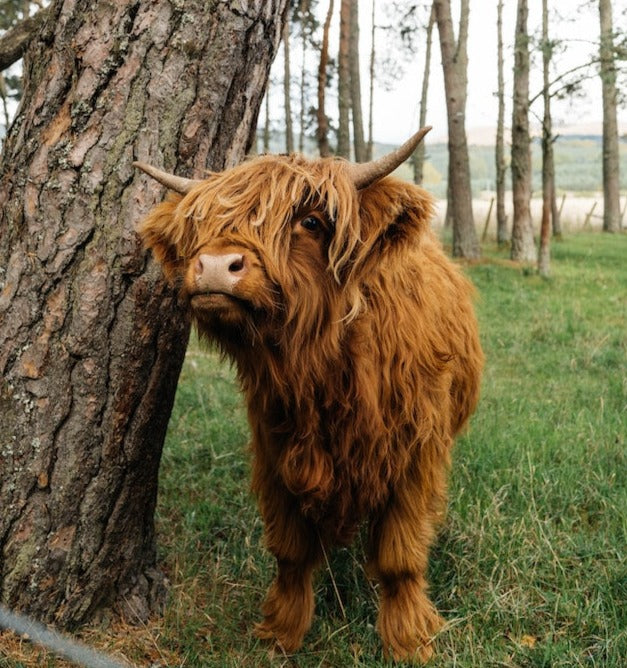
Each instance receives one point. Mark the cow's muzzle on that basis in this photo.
(219, 273)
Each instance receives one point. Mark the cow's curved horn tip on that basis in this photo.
(176, 183)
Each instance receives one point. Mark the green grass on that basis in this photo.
(529, 568)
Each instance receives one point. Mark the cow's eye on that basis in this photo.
(311, 223)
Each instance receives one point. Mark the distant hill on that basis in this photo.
(577, 162)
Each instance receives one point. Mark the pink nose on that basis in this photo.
(220, 273)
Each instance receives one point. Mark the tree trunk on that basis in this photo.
(14, 42)
(91, 337)
(501, 218)
(455, 64)
(355, 79)
(611, 183)
(287, 95)
(323, 123)
(555, 211)
(302, 11)
(523, 245)
(266, 122)
(370, 144)
(343, 84)
(544, 255)
(418, 158)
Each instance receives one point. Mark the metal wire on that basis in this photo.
(55, 642)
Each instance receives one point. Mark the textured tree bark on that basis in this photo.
(359, 143)
(455, 65)
(343, 82)
(303, 11)
(287, 90)
(91, 338)
(371, 65)
(323, 123)
(523, 245)
(418, 158)
(548, 176)
(14, 42)
(611, 163)
(499, 157)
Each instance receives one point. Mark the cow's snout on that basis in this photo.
(220, 273)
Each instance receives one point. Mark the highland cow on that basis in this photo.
(356, 346)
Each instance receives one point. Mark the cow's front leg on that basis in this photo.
(289, 605)
(400, 541)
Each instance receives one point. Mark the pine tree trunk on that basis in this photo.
(523, 245)
(418, 157)
(303, 9)
(544, 254)
(373, 28)
(611, 182)
(287, 93)
(555, 211)
(501, 218)
(355, 81)
(343, 83)
(323, 123)
(455, 64)
(91, 338)
(266, 122)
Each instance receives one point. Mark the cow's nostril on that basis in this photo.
(237, 265)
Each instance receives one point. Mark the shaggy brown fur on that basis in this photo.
(357, 349)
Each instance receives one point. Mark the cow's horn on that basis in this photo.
(176, 183)
(365, 173)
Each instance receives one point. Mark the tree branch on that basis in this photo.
(14, 42)
(563, 76)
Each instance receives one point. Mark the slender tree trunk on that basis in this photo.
(14, 42)
(4, 96)
(355, 80)
(287, 96)
(303, 9)
(611, 165)
(91, 337)
(323, 123)
(523, 245)
(544, 255)
(455, 64)
(266, 124)
(501, 218)
(418, 158)
(370, 145)
(343, 85)
(555, 211)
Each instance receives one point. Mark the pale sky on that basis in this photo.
(396, 111)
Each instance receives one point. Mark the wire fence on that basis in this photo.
(61, 645)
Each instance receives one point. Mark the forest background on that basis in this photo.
(393, 41)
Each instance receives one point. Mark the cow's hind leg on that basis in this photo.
(400, 540)
(289, 605)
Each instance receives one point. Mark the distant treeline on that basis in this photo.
(577, 164)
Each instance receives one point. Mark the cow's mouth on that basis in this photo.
(220, 302)
(215, 299)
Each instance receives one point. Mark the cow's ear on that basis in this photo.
(393, 213)
(167, 235)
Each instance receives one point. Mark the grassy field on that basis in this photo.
(530, 566)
